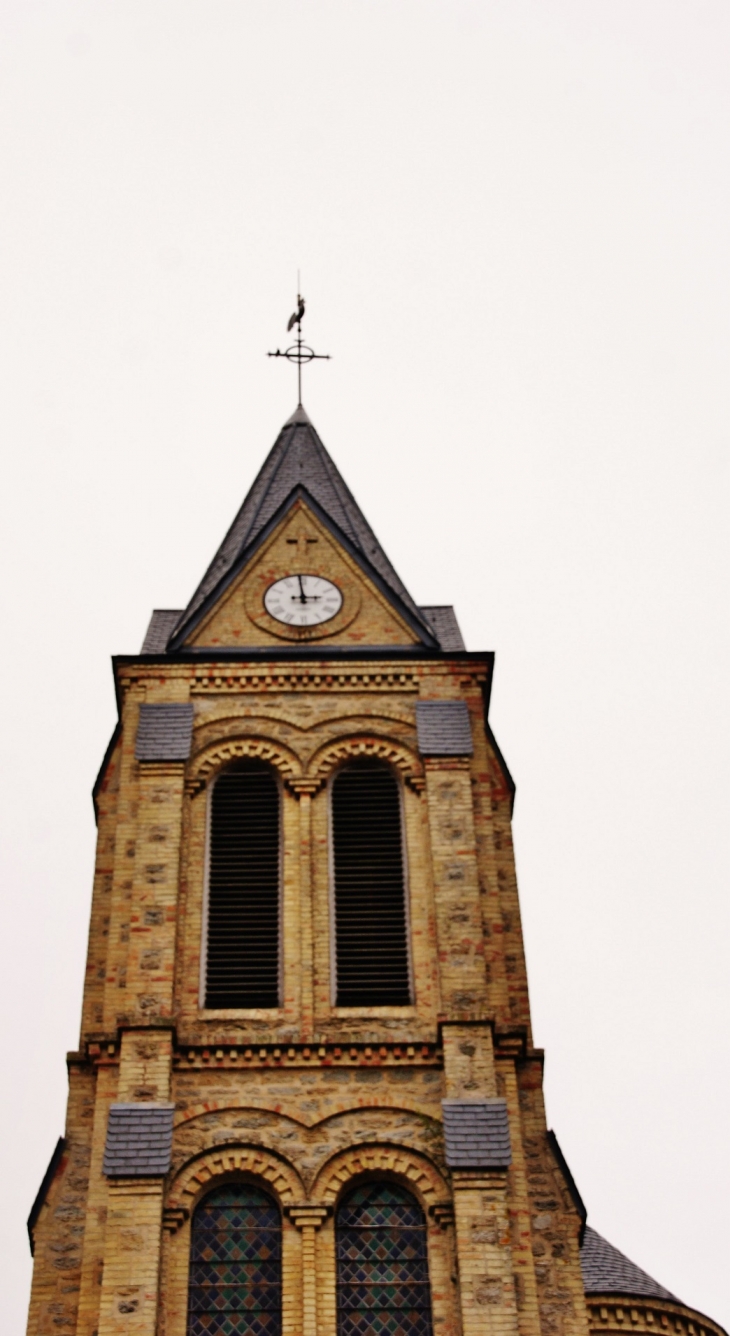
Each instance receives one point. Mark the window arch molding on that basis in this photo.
(333, 755)
(345, 1170)
(234, 1163)
(217, 756)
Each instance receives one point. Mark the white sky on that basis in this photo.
(512, 221)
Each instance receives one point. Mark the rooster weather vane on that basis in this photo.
(299, 351)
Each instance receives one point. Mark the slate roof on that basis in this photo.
(442, 620)
(162, 624)
(476, 1133)
(443, 728)
(607, 1271)
(42, 1192)
(138, 1140)
(164, 733)
(298, 459)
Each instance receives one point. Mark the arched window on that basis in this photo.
(235, 1264)
(382, 1264)
(242, 964)
(371, 938)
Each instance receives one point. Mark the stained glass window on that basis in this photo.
(382, 1264)
(235, 1264)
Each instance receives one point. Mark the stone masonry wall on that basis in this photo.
(308, 1097)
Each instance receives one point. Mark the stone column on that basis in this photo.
(522, 1255)
(304, 790)
(130, 1281)
(486, 1282)
(130, 1284)
(153, 908)
(308, 1219)
(456, 886)
(469, 1067)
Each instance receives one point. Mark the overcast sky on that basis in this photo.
(512, 225)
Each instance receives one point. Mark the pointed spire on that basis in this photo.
(298, 417)
(299, 463)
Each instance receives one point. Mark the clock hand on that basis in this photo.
(302, 597)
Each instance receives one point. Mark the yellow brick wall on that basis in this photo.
(308, 1097)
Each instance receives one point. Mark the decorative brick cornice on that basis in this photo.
(612, 1314)
(225, 1053)
(224, 679)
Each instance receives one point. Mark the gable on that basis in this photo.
(302, 544)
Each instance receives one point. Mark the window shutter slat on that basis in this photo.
(243, 889)
(370, 911)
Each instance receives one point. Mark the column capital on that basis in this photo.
(302, 786)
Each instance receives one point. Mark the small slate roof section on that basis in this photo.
(138, 1140)
(443, 622)
(476, 1134)
(607, 1271)
(298, 460)
(162, 624)
(43, 1190)
(443, 728)
(164, 733)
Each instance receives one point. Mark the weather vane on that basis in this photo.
(299, 352)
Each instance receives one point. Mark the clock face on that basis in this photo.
(303, 600)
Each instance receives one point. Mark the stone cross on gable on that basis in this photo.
(302, 542)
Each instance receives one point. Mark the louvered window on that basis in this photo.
(382, 1264)
(235, 1264)
(243, 889)
(371, 939)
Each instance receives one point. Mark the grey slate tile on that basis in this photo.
(161, 627)
(608, 1271)
(164, 733)
(138, 1140)
(442, 620)
(444, 728)
(476, 1133)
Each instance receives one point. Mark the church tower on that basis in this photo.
(306, 1100)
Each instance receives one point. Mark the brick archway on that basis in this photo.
(403, 760)
(201, 1172)
(219, 754)
(413, 1169)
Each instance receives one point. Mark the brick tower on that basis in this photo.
(306, 1100)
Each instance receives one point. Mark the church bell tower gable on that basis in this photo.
(302, 543)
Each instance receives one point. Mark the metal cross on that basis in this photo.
(299, 352)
